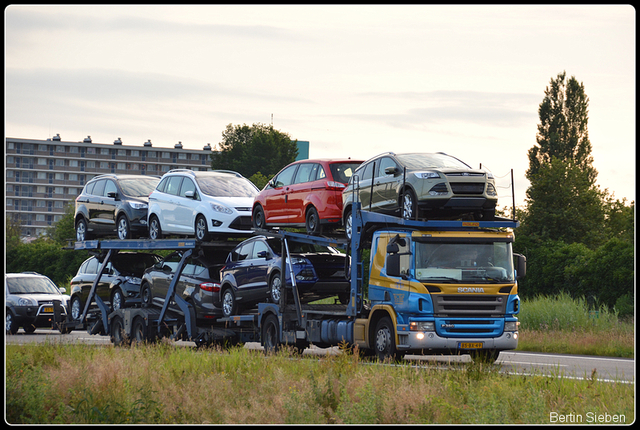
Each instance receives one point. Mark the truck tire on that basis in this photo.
(270, 334)
(118, 335)
(385, 340)
(139, 331)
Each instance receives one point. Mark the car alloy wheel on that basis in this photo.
(202, 232)
(275, 286)
(76, 308)
(81, 230)
(228, 303)
(124, 231)
(155, 232)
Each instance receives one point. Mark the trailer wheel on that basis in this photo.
(139, 331)
(270, 334)
(118, 335)
(385, 340)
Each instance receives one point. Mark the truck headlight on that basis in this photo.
(422, 326)
(511, 325)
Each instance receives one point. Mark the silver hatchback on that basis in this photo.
(421, 185)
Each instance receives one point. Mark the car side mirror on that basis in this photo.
(263, 254)
(62, 290)
(190, 194)
(166, 269)
(391, 170)
(112, 194)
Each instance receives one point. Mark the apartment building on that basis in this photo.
(43, 176)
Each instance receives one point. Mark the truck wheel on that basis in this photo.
(385, 340)
(270, 334)
(118, 335)
(139, 331)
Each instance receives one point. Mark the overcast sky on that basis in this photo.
(352, 80)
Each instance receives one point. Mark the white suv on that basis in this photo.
(200, 204)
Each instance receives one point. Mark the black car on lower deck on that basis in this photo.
(253, 273)
(199, 281)
(119, 285)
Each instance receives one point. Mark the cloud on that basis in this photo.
(509, 110)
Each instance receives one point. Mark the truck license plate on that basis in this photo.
(48, 309)
(470, 345)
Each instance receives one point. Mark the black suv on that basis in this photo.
(114, 204)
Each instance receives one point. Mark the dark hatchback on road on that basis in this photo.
(114, 204)
(119, 285)
(199, 281)
(253, 273)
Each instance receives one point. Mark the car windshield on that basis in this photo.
(139, 187)
(342, 172)
(464, 262)
(226, 186)
(31, 285)
(431, 161)
(300, 248)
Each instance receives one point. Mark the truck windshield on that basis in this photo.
(483, 263)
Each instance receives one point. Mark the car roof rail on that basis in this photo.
(229, 171)
(181, 171)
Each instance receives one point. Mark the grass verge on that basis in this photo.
(162, 383)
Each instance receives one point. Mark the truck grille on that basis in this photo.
(458, 327)
(446, 305)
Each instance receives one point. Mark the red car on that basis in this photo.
(306, 193)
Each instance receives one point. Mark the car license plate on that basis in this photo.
(470, 345)
(48, 309)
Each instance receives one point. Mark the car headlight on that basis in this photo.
(427, 175)
(297, 260)
(137, 205)
(491, 190)
(25, 301)
(221, 209)
(489, 175)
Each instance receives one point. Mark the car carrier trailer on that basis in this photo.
(405, 306)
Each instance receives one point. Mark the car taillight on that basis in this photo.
(334, 186)
(210, 286)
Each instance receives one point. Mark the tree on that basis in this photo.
(256, 149)
(563, 201)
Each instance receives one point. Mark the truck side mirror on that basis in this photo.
(521, 265)
(393, 265)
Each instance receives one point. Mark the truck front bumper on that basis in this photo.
(430, 342)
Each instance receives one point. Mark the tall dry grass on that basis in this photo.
(163, 383)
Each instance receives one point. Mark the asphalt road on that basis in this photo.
(608, 369)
